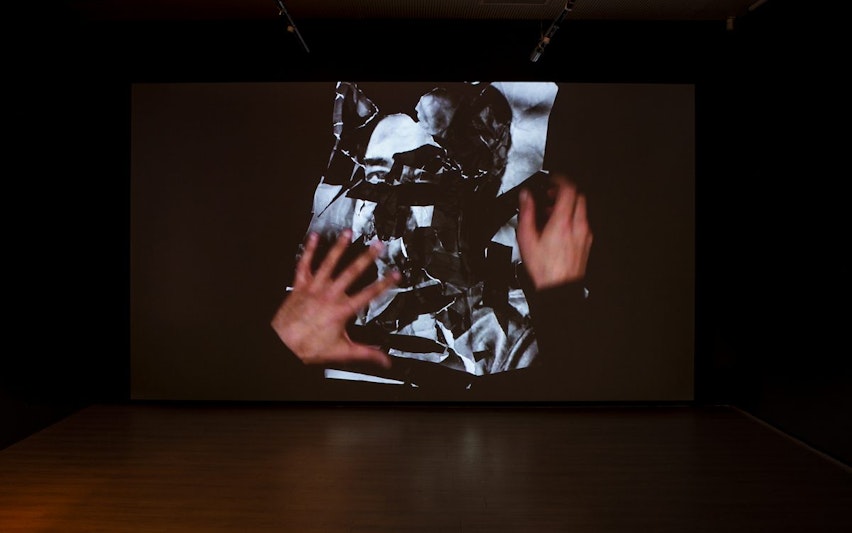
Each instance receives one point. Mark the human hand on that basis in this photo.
(311, 321)
(558, 252)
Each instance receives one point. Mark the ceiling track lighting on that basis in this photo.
(291, 26)
(545, 39)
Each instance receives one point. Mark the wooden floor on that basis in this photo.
(401, 468)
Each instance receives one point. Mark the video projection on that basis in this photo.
(229, 179)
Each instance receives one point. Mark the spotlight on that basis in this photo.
(545, 39)
(291, 26)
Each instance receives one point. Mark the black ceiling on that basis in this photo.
(661, 10)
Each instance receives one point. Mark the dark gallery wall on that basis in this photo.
(764, 338)
(769, 235)
(770, 293)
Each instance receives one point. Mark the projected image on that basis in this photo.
(437, 185)
(383, 240)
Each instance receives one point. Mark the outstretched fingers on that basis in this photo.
(566, 200)
(357, 267)
(365, 295)
(303, 267)
(326, 268)
(527, 231)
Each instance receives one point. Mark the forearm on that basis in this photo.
(559, 316)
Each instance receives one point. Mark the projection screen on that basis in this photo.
(228, 179)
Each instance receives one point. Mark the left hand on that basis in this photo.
(312, 319)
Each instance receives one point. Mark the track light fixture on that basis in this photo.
(291, 26)
(545, 39)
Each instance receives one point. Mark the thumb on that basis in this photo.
(368, 354)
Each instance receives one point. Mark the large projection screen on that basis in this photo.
(227, 178)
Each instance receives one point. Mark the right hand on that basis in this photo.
(558, 252)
